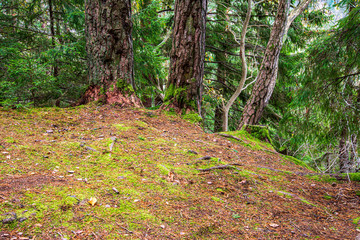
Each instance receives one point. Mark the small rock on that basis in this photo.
(107, 205)
(136, 200)
(313, 185)
(49, 131)
(209, 183)
(121, 177)
(9, 220)
(115, 190)
(22, 219)
(162, 226)
(37, 225)
(333, 184)
(20, 233)
(192, 151)
(71, 171)
(182, 233)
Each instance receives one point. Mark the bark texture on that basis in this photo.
(266, 79)
(184, 88)
(110, 51)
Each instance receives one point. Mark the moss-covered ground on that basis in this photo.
(142, 168)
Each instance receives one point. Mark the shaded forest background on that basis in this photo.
(313, 113)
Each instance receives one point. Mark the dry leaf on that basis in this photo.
(274, 225)
(92, 201)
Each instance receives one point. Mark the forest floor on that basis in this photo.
(64, 176)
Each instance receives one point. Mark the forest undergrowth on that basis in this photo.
(103, 172)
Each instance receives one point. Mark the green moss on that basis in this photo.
(192, 117)
(356, 220)
(124, 87)
(259, 132)
(353, 176)
(298, 162)
(121, 127)
(216, 199)
(178, 94)
(322, 178)
(328, 197)
(251, 141)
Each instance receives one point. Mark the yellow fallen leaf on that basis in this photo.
(92, 201)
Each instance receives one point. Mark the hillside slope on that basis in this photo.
(145, 170)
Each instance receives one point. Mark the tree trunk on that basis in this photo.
(52, 33)
(243, 69)
(344, 160)
(184, 88)
(110, 52)
(266, 79)
(221, 57)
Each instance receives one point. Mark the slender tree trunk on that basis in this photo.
(344, 160)
(266, 79)
(221, 57)
(184, 88)
(110, 52)
(238, 90)
(52, 33)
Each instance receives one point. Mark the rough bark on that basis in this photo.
(110, 52)
(266, 79)
(184, 87)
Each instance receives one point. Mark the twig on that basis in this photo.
(88, 148)
(112, 144)
(204, 158)
(230, 136)
(131, 232)
(227, 166)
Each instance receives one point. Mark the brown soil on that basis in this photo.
(250, 202)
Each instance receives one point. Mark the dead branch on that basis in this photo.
(230, 136)
(227, 166)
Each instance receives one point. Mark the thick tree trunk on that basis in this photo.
(265, 83)
(110, 52)
(184, 88)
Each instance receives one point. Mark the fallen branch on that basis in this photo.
(227, 166)
(88, 148)
(230, 136)
(200, 159)
(131, 232)
(112, 144)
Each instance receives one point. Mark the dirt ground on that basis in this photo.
(150, 182)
